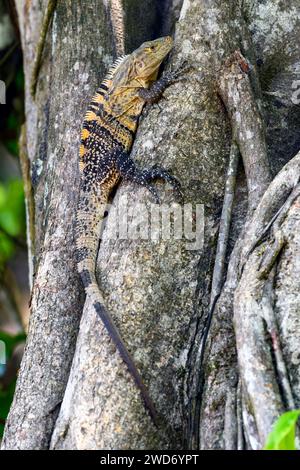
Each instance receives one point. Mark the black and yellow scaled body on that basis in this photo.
(107, 136)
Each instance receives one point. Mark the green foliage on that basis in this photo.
(11, 342)
(6, 395)
(12, 121)
(19, 80)
(12, 124)
(12, 217)
(12, 146)
(282, 437)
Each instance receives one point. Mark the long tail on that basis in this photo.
(89, 219)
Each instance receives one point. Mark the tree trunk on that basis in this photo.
(218, 348)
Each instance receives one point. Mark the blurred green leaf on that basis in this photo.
(9, 222)
(12, 217)
(12, 210)
(11, 341)
(12, 122)
(6, 399)
(6, 248)
(282, 437)
(2, 195)
(19, 80)
(12, 146)
(6, 396)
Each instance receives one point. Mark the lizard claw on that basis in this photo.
(156, 172)
(174, 75)
(182, 68)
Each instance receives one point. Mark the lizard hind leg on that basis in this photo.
(130, 172)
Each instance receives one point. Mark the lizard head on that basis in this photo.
(148, 57)
(133, 71)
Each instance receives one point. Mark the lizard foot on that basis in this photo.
(175, 74)
(160, 173)
(153, 94)
(129, 171)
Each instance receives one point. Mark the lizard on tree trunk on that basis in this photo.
(106, 139)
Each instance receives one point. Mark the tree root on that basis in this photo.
(258, 379)
(247, 126)
(274, 223)
(225, 222)
(265, 378)
(248, 135)
(218, 273)
(41, 44)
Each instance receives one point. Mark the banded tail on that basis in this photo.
(90, 213)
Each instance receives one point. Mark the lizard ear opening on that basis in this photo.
(140, 64)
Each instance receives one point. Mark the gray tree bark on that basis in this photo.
(74, 391)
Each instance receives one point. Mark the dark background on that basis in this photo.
(14, 290)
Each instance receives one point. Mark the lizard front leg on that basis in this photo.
(153, 94)
(129, 171)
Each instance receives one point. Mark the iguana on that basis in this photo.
(107, 135)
